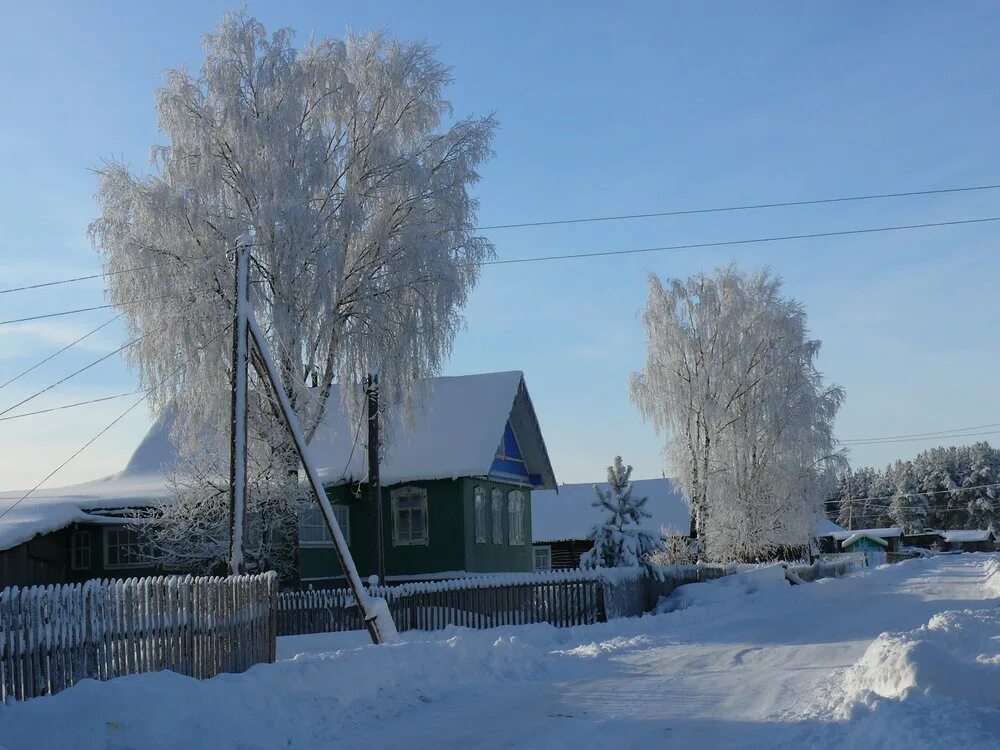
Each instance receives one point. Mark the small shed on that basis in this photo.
(874, 547)
(969, 540)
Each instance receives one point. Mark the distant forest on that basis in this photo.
(942, 488)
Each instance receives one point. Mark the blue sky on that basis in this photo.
(604, 109)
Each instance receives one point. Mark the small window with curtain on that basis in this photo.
(543, 557)
(515, 517)
(409, 517)
(480, 510)
(496, 504)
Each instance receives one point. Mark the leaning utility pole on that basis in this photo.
(238, 432)
(374, 483)
(374, 610)
(249, 344)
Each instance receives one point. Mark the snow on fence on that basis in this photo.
(51, 637)
(562, 598)
(825, 569)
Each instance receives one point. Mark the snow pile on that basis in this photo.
(304, 701)
(722, 591)
(941, 679)
(992, 583)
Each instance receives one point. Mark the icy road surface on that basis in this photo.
(745, 662)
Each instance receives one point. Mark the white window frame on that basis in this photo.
(395, 496)
(108, 531)
(313, 518)
(86, 550)
(515, 518)
(479, 507)
(547, 549)
(496, 514)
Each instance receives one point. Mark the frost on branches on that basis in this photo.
(621, 541)
(730, 378)
(341, 162)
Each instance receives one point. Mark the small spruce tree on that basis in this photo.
(621, 541)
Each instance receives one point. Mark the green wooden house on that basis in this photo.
(456, 494)
(456, 484)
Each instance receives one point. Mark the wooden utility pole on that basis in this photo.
(374, 482)
(238, 433)
(375, 612)
(850, 504)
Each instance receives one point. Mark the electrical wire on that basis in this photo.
(744, 207)
(73, 374)
(590, 220)
(730, 243)
(113, 422)
(56, 354)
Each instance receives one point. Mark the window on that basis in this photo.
(409, 516)
(312, 526)
(480, 515)
(124, 549)
(496, 502)
(515, 517)
(543, 557)
(79, 550)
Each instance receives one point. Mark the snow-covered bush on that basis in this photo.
(677, 549)
(621, 540)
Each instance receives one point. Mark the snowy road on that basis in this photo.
(748, 662)
(720, 678)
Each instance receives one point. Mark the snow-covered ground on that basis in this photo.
(746, 661)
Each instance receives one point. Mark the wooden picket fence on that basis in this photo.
(472, 603)
(51, 637)
(563, 598)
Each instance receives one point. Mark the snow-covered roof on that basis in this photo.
(887, 533)
(859, 535)
(825, 527)
(966, 535)
(570, 514)
(140, 484)
(457, 428)
(458, 425)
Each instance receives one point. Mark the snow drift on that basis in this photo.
(939, 680)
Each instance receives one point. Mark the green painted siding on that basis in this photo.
(490, 557)
(451, 534)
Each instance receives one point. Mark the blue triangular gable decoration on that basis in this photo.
(509, 463)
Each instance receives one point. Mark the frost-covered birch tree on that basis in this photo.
(343, 164)
(620, 539)
(730, 379)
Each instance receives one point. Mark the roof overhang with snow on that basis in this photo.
(458, 425)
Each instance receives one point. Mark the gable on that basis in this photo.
(508, 463)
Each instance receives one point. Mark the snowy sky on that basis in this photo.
(613, 108)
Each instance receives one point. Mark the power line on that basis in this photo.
(101, 275)
(743, 207)
(590, 220)
(70, 406)
(752, 241)
(113, 422)
(914, 494)
(56, 354)
(605, 253)
(73, 374)
(915, 439)
(935, 433)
